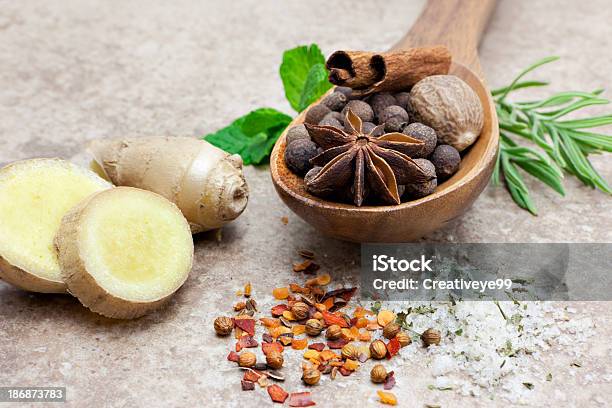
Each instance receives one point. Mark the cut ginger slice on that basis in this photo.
(124, 252)
(34, 196)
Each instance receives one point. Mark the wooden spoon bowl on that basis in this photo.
(411, 220)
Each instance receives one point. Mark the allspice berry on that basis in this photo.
(300, 310)
(378, 374)
(298, 155)
(335, 101)
(345, 90)
(331, 121)
(380, 101)
(333, 332)
(295, 133)
(403, 100)
(316, 114)
(274, 359)
(350, 351)
(247, 359)
(391, 330)
(431, 336)
(311, 376)
(394, 117)
(378, 349)
(223, 325)
(403, 338)
(314, 327)
(446, 159)
(425, 134)
(361, 109)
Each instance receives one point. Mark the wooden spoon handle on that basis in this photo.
(457, 24)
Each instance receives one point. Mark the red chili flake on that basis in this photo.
(393, 347)
(277, 393)
(247, 385)
(246, 342)
(301, 399)
(344, 293)
(331, 318)
(233, 356)
(268, 347)
(337, 344)
(248, 325)
(390, 381)
(317, 346)
(251, 375)
(345, 372)
(279, 309)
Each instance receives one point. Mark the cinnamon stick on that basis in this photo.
(367, 72)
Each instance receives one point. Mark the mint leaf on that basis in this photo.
(294, 70)
(315, 86)
(262, 120)
(251, 136)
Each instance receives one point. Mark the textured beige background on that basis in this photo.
(71, 71)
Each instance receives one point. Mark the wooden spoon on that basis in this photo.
(459, 25)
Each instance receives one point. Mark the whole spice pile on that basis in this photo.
(391, 136)
(315, 321)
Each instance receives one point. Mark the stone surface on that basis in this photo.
(73, 71)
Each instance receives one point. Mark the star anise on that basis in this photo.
(378, 163)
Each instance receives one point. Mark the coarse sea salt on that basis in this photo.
(492, 348)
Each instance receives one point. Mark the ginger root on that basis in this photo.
(123, 252)
(34, 196)
(205, 182)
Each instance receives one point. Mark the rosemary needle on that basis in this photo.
(559, 144)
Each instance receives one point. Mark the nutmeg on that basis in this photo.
(311, 376)
(350, 351)
(274, 359)
(300, 310)
(378, 374)
(223, 325)
(431, 336)
(378, 349)
(333, 332)
(451, 107)
(403, 338)
(390, 330)
(247, 359)
(314, 327)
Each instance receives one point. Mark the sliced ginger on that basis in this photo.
(125, 251)
(34, 196)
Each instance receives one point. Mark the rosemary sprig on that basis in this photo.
(561, 144)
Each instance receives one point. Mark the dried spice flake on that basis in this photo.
(251, 376)
(331, 319)
(385, 317)
(247, 324)
(233, 356)
(280, 293)
(246, 342)
(268, 347)
(389, 381)
(278, 310)
(277, 393)
(387, 398)
(299, 344)
(247, 385)
(306, 254)
(247, 290)
(301, 399)
(393, 347)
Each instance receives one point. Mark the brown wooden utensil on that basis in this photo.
(457, 24)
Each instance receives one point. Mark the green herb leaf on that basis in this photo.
(564, 145)
(315, 86)
(251, 136)
(295, 71)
